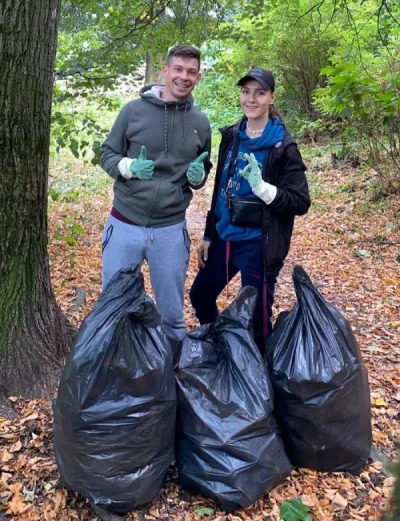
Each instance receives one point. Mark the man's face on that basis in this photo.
(181, 77)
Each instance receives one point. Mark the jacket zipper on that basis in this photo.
(268, 168)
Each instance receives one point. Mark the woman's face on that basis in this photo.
(255, 100)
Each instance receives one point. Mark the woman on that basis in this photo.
(260, 187)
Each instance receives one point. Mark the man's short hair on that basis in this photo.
(184, 51)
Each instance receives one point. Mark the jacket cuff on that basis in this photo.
(124, 167)
(266, 192)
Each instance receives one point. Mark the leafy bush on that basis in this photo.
(218, 97)
(369, 105)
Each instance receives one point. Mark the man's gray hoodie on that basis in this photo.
(174, 134)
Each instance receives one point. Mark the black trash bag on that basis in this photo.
(322, 399)
(227, 444)
(114, 416)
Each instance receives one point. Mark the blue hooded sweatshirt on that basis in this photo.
(238, 185)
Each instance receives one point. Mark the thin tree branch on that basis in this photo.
(390, 12)
(312, 8)
(142, 27)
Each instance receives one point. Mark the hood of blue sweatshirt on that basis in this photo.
(273, 134)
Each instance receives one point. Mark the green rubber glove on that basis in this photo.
(252, 171)
(195, 173)
(142, 168)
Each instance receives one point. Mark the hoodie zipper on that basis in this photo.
(166, 144)
(168, 137)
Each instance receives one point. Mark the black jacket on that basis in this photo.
(284, 169)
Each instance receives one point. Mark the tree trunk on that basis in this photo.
(35, 336)
(153, 72)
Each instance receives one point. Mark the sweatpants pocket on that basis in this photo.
(187, 243)
(107, 234)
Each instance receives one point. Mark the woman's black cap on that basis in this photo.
(265, 78)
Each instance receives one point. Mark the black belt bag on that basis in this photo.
(245, 212)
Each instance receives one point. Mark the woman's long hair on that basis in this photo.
(274, 113)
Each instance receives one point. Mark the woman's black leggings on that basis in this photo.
(225, 259)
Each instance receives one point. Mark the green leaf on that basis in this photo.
(346, 112)
(74, 147)
(294, 510)
(29, 495)
(204, 511)
(70, 240)
(76, 228)
(363, 253)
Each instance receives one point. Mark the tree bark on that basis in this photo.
(153, 73)
(35, 336)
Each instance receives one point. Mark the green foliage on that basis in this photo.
(261, 34)
(70, 237)
(70, 231)
(101, 45)
(73, 184)
(218, 97)
(337, 68)
(363, 94)
(78, 122)
(369, 105)
(204, 511)
(294, 510)
(311, 130)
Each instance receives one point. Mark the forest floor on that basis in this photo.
(350, 247)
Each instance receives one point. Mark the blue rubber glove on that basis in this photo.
(195, 173)
(142, 167)
(252, 171)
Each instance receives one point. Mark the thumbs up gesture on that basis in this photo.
(195, 173)
(142, 167)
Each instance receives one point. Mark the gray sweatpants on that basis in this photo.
(166, 251)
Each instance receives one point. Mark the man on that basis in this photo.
(157, 151)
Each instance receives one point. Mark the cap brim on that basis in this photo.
(263, 84)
